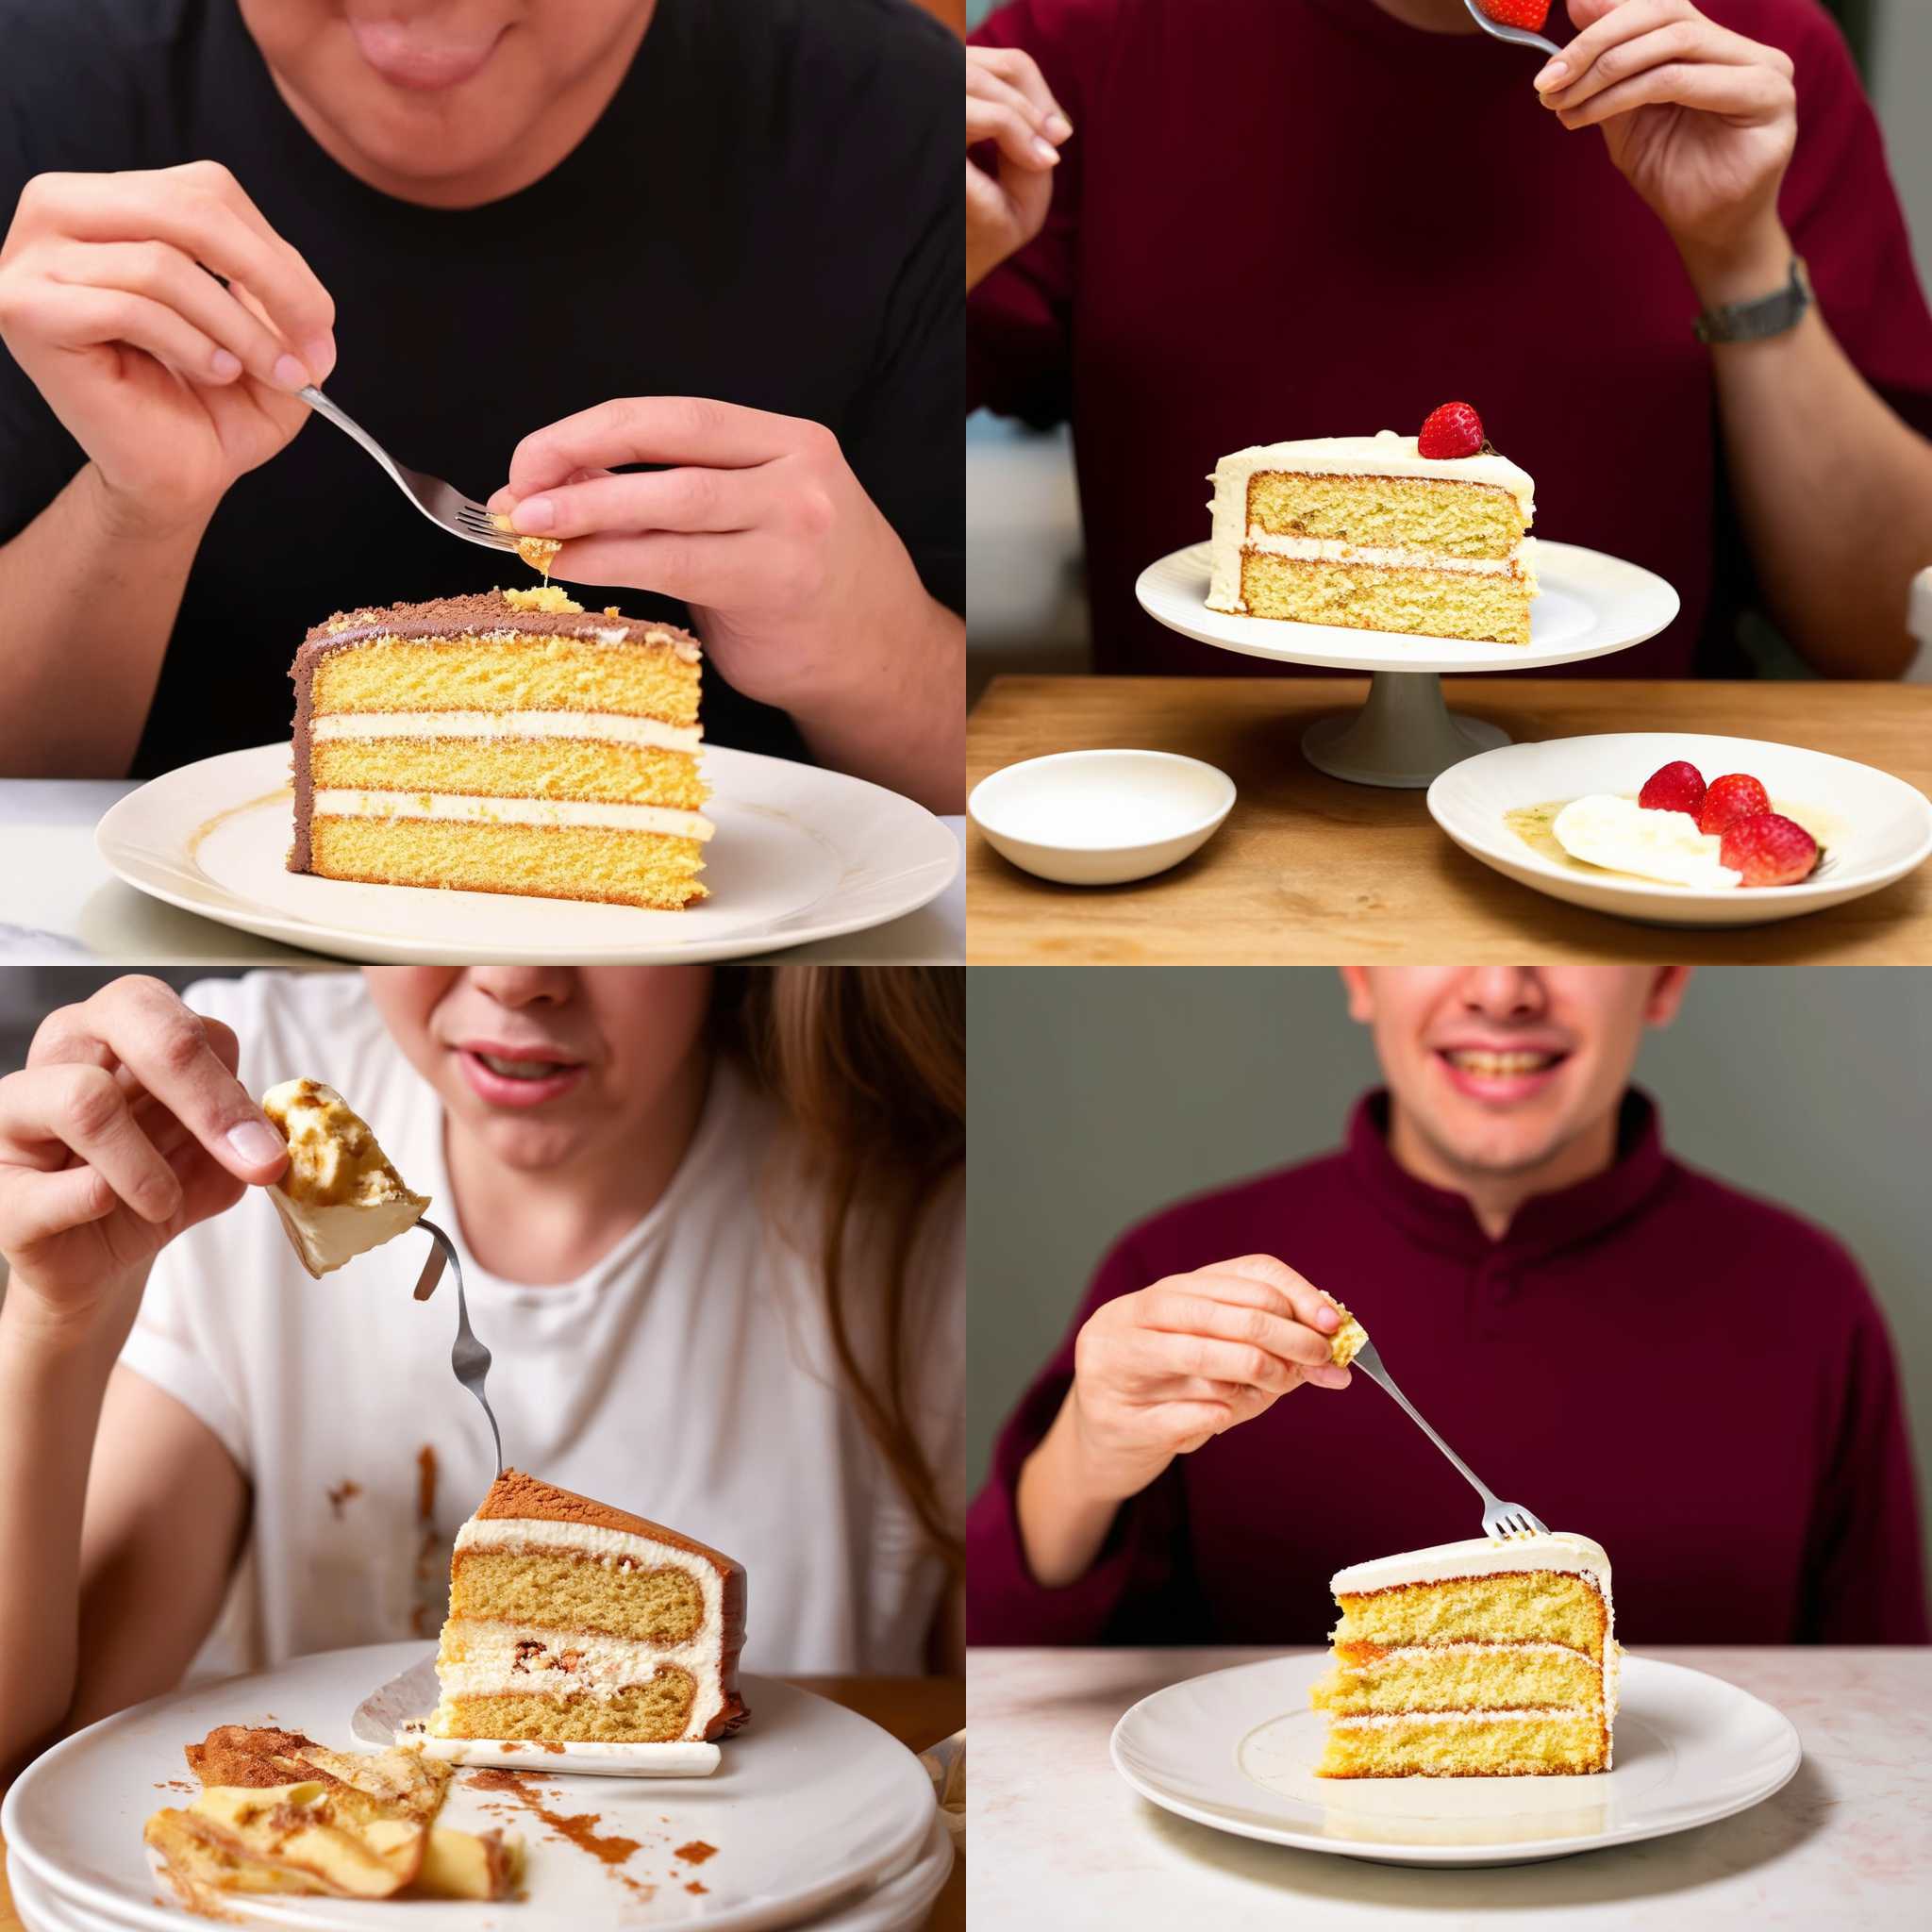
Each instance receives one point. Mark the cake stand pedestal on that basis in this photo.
(1405, 736)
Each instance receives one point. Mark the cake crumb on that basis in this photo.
(344, 1492)
(697, 1888)
(696, 1852)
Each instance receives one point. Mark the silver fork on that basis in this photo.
(460, 515)
(469, 1358)
(1519, 35)
(1499, 1519)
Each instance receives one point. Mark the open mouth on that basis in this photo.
(519, 1070)
(525, 1078)
(1495, 1064)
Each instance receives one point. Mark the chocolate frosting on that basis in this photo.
(483, 611)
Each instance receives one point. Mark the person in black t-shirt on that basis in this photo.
(719, 238)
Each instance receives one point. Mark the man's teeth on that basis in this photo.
(1473, 1060)
(519, 1070)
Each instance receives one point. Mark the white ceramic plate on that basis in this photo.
(1591, 606)
(813, 1806)
(895, 1905)
(801, 854)
(1874, 829)
(1237, 1750)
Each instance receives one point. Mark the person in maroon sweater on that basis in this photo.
(1632, 1350)
(1197, 225)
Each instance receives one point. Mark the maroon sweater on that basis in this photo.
(1289, 218)
(1695, 1379)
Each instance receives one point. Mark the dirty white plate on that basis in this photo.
(1237, 1750)
(1590, 604)
(800, 854)
(1101, 818)
(813, 1807)
(1874, 829)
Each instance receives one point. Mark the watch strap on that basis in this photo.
(1760, 318)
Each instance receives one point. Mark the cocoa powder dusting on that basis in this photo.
(694, 1886)
(579, 1827)
(696, 1852)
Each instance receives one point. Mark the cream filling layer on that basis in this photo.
(701, 1655)
(464, 809)
(533, 1661)
(606, 727)
(1332, 550)
(1382, 1720)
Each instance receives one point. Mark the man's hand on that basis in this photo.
(172, 384)
(126, 1126)
(802, 592)
(1009, 103)
(1158, 1373)
(1700, 120)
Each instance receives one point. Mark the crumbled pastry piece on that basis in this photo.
(539, 553)
(339, 1198)
(544, 597)
(290, 1815)
(1347, 1339)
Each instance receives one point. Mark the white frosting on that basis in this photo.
(606, 727)
(1622, 835)
(1479, 1557)
(609, 1662)
(1468, 1648)
(1384, 455)
(463, 809)
(1332, 550)
(1381, 1720)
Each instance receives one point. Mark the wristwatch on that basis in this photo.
(1761, 317)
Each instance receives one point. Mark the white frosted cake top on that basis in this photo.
(1480, 1556)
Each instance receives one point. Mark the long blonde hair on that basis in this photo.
(869, 1064)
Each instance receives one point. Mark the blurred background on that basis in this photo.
(1097, 1096)
(1027, 609)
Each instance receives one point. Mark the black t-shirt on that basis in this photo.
(768, 212)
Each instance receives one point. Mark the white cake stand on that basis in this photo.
(1405, 735)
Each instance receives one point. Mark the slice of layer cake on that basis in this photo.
(510, 741)
(339, 1197)
(571, 1621)
(1491, 1658)
(1370, 533)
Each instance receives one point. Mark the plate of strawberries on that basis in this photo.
(1685, 829)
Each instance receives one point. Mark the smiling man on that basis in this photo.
(1636, 1351)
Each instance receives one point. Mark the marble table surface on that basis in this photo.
(1059, 1840)
(60, 905)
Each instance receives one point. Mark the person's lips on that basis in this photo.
(407, 55)
(1500, 1074)
(520, 1075)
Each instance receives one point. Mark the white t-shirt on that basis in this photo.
(688, 1377)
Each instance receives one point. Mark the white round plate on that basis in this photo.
(800, 854)
(1237, 1750)
(1591, 606)
(812, 1805)
(895, 1905)
(1874, 829)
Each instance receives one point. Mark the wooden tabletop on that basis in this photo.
(918, 1711)
(1312, 870)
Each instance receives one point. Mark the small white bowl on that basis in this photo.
(1100, 818)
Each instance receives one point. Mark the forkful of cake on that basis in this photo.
(1352, 1349)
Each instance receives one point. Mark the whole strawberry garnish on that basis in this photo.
(1676, 787)
(1768, 849)
(1454, 430)
(1530, 14)
(1736, 795)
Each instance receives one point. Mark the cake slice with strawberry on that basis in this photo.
(1425, 534)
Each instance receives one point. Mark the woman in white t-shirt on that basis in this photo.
(709, 1227)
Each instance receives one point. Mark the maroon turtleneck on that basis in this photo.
(1699, 1380)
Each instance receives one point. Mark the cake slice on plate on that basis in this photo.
(571, 1622)
(1489, 1659)
(340, 1196)
(1420, 534)
(510, 742)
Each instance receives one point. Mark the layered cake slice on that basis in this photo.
(572, 1621)
(1489, 1659)
(340, 1196)
(1385, 532)
(510, 741)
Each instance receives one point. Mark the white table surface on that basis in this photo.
(1059, 1841)
(59, 905)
